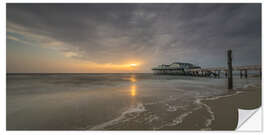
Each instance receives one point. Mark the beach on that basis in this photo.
(217, 112)
(224, 109)
(126, 102)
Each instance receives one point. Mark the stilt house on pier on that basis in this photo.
(176, 68)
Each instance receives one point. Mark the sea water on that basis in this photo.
(109, 101)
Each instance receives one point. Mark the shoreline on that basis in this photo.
(221, 112)
(225, 108)
(214, 113)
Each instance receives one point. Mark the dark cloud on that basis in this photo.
(155, 33)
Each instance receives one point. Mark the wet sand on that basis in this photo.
(126, 102)
(225, 110)
(215, 113)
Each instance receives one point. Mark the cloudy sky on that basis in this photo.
(109, 37)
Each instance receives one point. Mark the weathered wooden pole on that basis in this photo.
(260, 73)
(246, 75)
(230, 77)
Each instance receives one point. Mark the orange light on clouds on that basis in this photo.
(93, 67)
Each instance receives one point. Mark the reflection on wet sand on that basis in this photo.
(133, 78)
(133, 90)
(133, 85)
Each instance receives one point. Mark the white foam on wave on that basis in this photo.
(171, 108)
(255, 85)
(212, 116)
(171, 98)
(137, 109)
(223, 96)
(150, 118)
(179, 119)
(174, 108)
(208, 121)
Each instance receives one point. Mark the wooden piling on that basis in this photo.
(260, 73)
(230, 77)
(246, 75)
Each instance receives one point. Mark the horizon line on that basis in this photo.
(74, 73)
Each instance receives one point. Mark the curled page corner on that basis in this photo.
(246, 120)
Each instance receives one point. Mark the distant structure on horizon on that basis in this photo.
(176, 68)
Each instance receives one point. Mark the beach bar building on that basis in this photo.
(176, 68)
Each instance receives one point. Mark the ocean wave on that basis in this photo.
(137, 109)
(150, 118)
(171, 108)
(171, 98)
(222, 96)
(178, 120)
(174, 108)
(199, 105)
(254, 85)
(208, 121)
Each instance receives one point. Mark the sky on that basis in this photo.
(125, 38)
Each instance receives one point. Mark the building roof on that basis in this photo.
(163, 66)
(182, 63)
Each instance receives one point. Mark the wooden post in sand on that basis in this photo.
(230, 77)
(260, 73)
(246, 75)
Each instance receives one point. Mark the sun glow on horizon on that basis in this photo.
(126, 67)
(94, 67)
(133, 65)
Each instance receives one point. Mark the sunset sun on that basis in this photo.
(133, 65)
